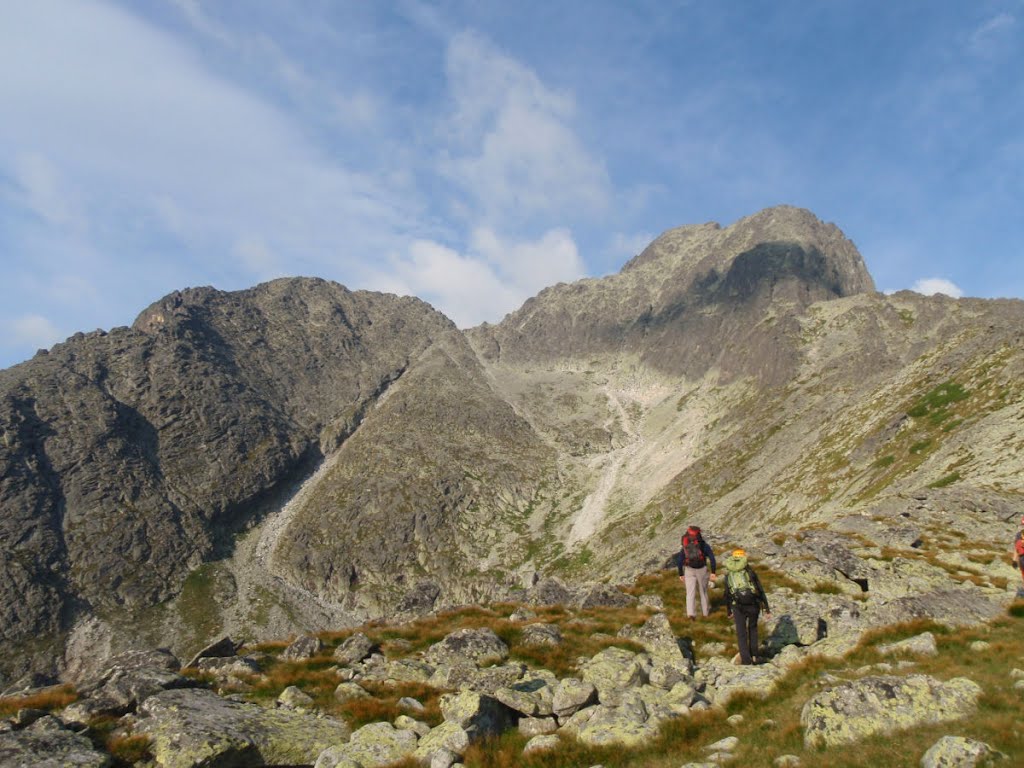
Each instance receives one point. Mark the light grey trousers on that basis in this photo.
(696, 580)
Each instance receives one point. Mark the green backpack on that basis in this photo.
(737, 577)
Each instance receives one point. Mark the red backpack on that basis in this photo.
(693, 550)
(1018, 545)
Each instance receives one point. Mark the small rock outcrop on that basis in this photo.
(853, 710)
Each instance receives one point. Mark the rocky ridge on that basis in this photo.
(842, 687)
(298, 457)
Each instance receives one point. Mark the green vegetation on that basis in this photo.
(942, 482)
(936, 400)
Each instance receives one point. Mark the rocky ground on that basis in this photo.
(869, 638)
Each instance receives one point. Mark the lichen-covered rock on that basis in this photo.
(126, 681)
(725, 680)
(533, 695)
(537, 726)
(486, 680)
(627, 725)
(480, 715)
(195, 727)
(923, 645)
(853, 710)
(46, 745)
(354, 649)
(349, 692)
(613, 670)
(541, 742)
(468, 646)
(959, 752)
(303, 647)
(541, 635)
(605, 596)
(658, 639)
(222, 648)
(572, 695)
(371, 746)
(406, 723)
(448, 736)
(550, 592)
(295, 698)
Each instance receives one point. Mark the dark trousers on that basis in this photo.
(745, 617)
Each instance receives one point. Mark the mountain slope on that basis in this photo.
(298, 456)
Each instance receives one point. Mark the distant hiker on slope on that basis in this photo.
(1018, 548)
(694, 556)
(744, 598)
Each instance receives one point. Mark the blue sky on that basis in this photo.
(472, 153)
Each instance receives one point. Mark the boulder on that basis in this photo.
(448, 737)
(605, 596)
(487, 680)
(572, 695)
(193, 727)
(349, 692)
(537, 726)
(303, 647)
(923, 645)
(220, 649)
(295, 698)
(853, 710)
(406, 723)
(540, 743)
(468, 646)
(626, 725)
(46, 744)
(126, 681)
(372, 746)
(725, 680)
(962, 606)
(531, 696)
(550, 592)
(354, 649)
(614, 670)
(959, 752)
(541, 635)
(479, 715)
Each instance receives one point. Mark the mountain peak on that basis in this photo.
(694, 250)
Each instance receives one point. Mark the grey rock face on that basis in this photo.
(850, 711)
(304, 647)
(196, 727)
(47, 747)
(959, 752)
(471, 646)
(354, 649)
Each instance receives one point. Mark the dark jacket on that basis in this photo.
(706, 549)
(730, 598)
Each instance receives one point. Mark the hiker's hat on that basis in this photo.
(739, 553)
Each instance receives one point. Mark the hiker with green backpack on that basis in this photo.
(744, 598)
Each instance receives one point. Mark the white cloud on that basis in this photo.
(530, 266)
(514, 150)
(43, 191)
(988, 39)
(33, 331)
(97, 101)
(931, 285)
(493, 279)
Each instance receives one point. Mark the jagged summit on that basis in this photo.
(692, 251)
(694, 299)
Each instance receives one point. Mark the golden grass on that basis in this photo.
(50, 700)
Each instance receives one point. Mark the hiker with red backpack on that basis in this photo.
(744, 598)
(694, 557)
(1018, 549)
